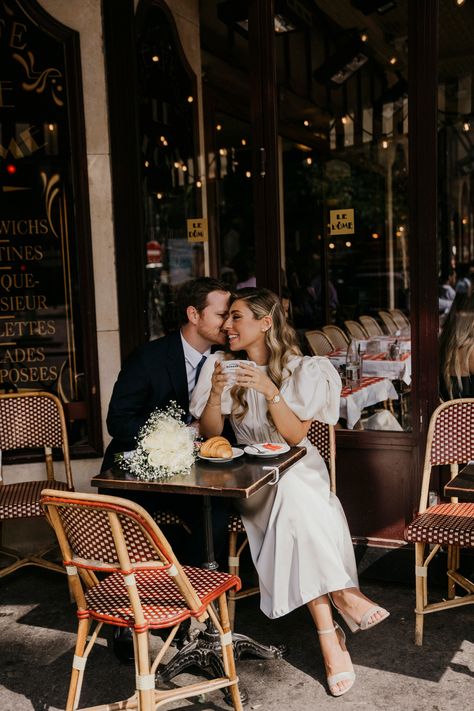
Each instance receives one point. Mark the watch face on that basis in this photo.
(276, 399)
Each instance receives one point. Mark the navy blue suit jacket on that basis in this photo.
(153, 375)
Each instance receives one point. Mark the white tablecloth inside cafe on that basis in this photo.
(376, 365)
(370, 392)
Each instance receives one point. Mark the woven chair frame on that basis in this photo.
(450, 441)
(388, 322)
(400, 319)
(323, 437)
(319, 343)
(336, 335)
(372, 326)
(31, 420)
(356, 330)
(146, 587)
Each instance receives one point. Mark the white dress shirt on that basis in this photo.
(192, 358)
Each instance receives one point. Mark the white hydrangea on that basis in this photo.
(165, 446)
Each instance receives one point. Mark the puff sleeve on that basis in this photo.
(313, 389)
(201, 392)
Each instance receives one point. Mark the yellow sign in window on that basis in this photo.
(341, 222)
(197, 229)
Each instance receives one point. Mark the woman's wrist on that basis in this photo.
(270, 397)
(214, 401)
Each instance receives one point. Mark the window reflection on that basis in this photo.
(345, 194)
(171, 178)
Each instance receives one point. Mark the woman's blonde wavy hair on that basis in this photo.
(280, 339)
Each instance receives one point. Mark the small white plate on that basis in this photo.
(282, 448)
(236, 452)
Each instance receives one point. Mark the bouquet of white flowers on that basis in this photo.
(165, 446)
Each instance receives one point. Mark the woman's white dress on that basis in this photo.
(297, 530)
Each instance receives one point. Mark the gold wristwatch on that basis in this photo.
(275, 399)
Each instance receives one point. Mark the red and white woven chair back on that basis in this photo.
(30, 419)
(86, 522)
(319, 435)
(453, 433)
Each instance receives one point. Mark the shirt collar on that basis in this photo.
(191, 354)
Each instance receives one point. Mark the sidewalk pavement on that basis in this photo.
(37, 633)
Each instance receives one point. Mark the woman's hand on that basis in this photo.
(218, 382)
(248, 376)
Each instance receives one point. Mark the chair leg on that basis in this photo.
(228, 654)
(76, 673)
(234, 567)
(421, 588)
(453, 565)
(146, 696)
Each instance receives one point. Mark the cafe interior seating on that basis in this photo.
(388, 322)
(336, 335)
(32, 421)
(400, 319)
(319, 343)
(447, 526)
(144, 588)
(372, 326)
(323, 437)
(356, 330)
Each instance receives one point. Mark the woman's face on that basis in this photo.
(242, 328)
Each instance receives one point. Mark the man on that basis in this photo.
(156, 373)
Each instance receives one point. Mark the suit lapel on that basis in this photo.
(176, 367)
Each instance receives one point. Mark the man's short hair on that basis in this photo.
(194, 293)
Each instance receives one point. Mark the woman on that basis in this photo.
(297, 531)
(457, 350)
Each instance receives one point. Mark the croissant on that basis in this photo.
(216, 447)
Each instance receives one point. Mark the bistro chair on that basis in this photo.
(447, 525)
(371, 326)
(31, 420)
(319, 343)
(144, 588)
(400, 319)
(323, 437)
(356, 330)
(337, 336)
(388, 322)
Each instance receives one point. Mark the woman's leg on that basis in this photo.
(333, 648)
(355, 604)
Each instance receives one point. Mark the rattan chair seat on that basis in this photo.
(22, 500)
(162, 603)
(444, 524)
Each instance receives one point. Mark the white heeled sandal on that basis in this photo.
(342, 676)
(364, 624)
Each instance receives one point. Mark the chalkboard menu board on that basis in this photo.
(47, 324)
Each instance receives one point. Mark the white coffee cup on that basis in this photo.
(230, 368)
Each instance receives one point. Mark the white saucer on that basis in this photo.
(236, 452)
(282, 448)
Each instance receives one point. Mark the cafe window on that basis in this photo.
(344, 146)
(456, 197)
(171, 175)
(47, 322)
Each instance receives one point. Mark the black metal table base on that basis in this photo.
(204, 652)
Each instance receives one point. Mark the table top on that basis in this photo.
(462, 485)
(239, 478)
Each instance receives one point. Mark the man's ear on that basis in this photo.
(192, 314)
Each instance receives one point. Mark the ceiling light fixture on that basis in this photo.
(367, 7)
(343, 64)
(290, 15)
